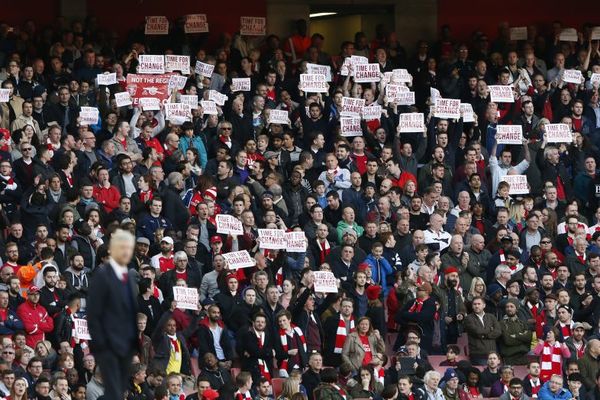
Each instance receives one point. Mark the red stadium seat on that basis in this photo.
(277, 384)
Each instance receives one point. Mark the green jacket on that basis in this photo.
(516, 339)
(326, 392)
(589, 367)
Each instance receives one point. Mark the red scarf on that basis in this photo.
(417, 306)
(341, 391)
(146, 196)
(533, 309)
(242, 396)
(565, 330)
(340, 335)
(551, 361)
(279, 279)
(174, 344)
(262, 365)
(324, 248)
(535, 386)
(380, 375)
(283, 364)
(580, 349)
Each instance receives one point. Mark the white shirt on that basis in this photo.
(119, 270)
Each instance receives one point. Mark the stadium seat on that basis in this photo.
(277, 386)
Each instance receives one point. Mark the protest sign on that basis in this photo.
(518, 184)
(411, 122)
(401, 75)
(195, 23)
(319, 69)
(156, 25)
(88, 115)
(568, 35)
(406, 99)
(572, 76)
(466, 109)
(447, 108)
(240, 84)
(81, 330)
(278, 117)
(595, 34)
(325, 282)
(178, 112)
(501, 94)
(189, 99)
(204, 69)
(149, 103)
(239, 259)
(106, 79)
(509, 134)
(186, 298)
(177, 63)
(392, 91)
(350, 62)
(595, 79)
(518, 33)
(271, 239)
(217, 97)
(253, 26)
(209, 107)
(351, 107)
(350, 126)
(367, 73)
(123, 99)
(296, 242)
(372, 112)
(155, 86)
(434, 94)
(558, 133)
(151, 64)
(313, 83)
(4, 95)
(177, 82)
(229, 225)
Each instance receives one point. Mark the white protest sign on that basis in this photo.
(217, 97)
(177, 82)
(186, 298)
(434, 94)
(411, 122)
(406, 98)
(4, 95)
(447, 108)
(278, 117)
(106, 79)
(518, 184)
(501, 94)
(88, 115)
(350, 126)
(319, 69)
(240, 84)
(392, 91)
(204, 69)
(401, 75)
(296, 242)
(178, 112)
(209, 107)
(572, 76)
(367, 73)
(350, 62)
(595, 79)
(123, 99)
(325, 282)
(156, 25)
(253, 26)
(558, 133)
(151, 64)
(80, 327)
(229, 225)
(509, 134)
(351, 107)
(466, 109)
(195, 23)
(149, 103)
(568, 35)
(189, 99)
(372, 112)
(313, 83)
(595, 34)
(518, 33)
(271, 239)
(177, 63)
(239, 259)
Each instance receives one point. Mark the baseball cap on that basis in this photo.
(168, 239)
(506, 238)
(270, 154)
(33, 289)
(216, 239)
(143, 240)
(268, 193)
(349, 231)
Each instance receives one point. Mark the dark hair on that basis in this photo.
(329, 375)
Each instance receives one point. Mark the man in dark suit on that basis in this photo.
(255, 347)
(112, 312)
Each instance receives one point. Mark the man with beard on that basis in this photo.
(52, 298)
(337, 328)
(218, 377)
(577, 341)
(9, 322)
(418, 219)
(516, 335)
(76, 275)
(255, 347)
(164, 261)
(420, 311)
(455, 309)
(214, 337)
(550, 265)
(15, 299)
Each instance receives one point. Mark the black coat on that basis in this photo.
(169, 278)
(162, 346)
(174, 210)
(50, 302)
(249, 351)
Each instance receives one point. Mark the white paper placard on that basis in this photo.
(572, 76)
(88, 115)
(106, 79)
(325, 282)
(278, 117)
(595, 34)
(350, 62)
(177, 82)
(177, 63)
(209, 107)
(240, 84)
(558, 133)
(595, 79)
(518, 33)
(149, 103)
(4, 95)
(351, 107)
(178, 112)
(434, 94)
(406, 98)
(350, 126)
(319, 69)
(204, 69)
(313, 83)
(81, 330)
(372, 112)
(195, 23)
(217, 97)
(253, 26)
(501, 94)
(447, 108)
(364, 73)
(271, 239)
(156, 25)
(518, 184)
(239, 259)
(189, 99)
(401, 75)
(392, 91)
(568, 35)
(151, 64)
(466, 109)
(186, 298)
(296, 242)
(229, 225)
(411, 122)
(509, 134)
(123, 99)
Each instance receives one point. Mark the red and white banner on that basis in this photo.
(155, 86)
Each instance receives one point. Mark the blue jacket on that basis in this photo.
(196, 142)
(380, 269)
(11, 324)
(149, 224)
(546, 394)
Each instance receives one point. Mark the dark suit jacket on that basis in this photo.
(111, 315)
(249, 352)
(162, 346)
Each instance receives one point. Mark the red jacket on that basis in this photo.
(108, 197)
(36, 321)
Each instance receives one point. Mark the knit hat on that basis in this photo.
(451, 270)
(514, 302)
(449, 374)
(210, 193)
(363, 266)
(373, 292)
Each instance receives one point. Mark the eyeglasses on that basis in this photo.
(26, 149)
(8, 352)
(225, 128)
(545, 242)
